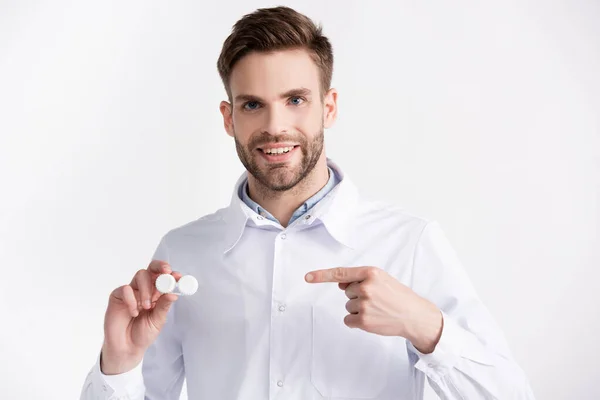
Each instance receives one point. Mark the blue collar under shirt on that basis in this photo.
(308, 204)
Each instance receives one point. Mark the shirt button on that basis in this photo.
(307, 217)
(431, 365)
(260, 217)
(282, 308)
(283, 236)
(280, 383)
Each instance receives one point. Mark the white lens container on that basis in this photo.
(187, 285)
(165, 283)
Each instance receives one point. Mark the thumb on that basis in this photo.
(161, 309)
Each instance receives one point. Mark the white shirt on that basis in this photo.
(257, 330)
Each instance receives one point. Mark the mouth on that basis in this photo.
(279, 153)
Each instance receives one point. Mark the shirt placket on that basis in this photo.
(277, 371)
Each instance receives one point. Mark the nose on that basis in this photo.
(277, 122)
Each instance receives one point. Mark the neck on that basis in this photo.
(283, 204)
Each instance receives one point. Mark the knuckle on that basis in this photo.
(372, 272)
(116, 292)
(348, 304)
(121, 289)
(158, 266)
(362, 320)
(348, 291)
(362, 307)
(364, 291)
(347, 319)
(339, 273)
(350, 287)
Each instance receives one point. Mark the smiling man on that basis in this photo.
(307, 290)
(277, 115)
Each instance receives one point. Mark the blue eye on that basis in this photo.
(296, 101)
(251, 105)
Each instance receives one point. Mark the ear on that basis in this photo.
(330, 108)
(226, 111)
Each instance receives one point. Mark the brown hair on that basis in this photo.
(271, 29)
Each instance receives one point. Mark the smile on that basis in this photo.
(280, 150)
(278, 154)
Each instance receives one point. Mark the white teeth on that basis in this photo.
(280, 150)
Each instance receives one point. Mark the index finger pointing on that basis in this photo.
(339, 274)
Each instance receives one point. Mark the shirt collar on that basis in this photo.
(335, 211)
(307, 205)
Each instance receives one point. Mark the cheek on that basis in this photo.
(245, 125)
(309, 120)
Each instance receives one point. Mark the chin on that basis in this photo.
(281, 179)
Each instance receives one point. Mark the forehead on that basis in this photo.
(267, 75)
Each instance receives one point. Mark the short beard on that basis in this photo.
(274, 179)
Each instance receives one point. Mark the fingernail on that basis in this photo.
(147, 304)
(309, 277)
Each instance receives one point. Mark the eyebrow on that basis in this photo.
(304, 92)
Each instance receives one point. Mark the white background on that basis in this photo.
(484, 116)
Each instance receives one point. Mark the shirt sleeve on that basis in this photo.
(129, 385)
(472, 359)
(161, 373)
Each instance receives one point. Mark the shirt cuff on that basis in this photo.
(455, 343)
(130, 383)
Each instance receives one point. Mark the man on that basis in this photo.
(307, 290)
